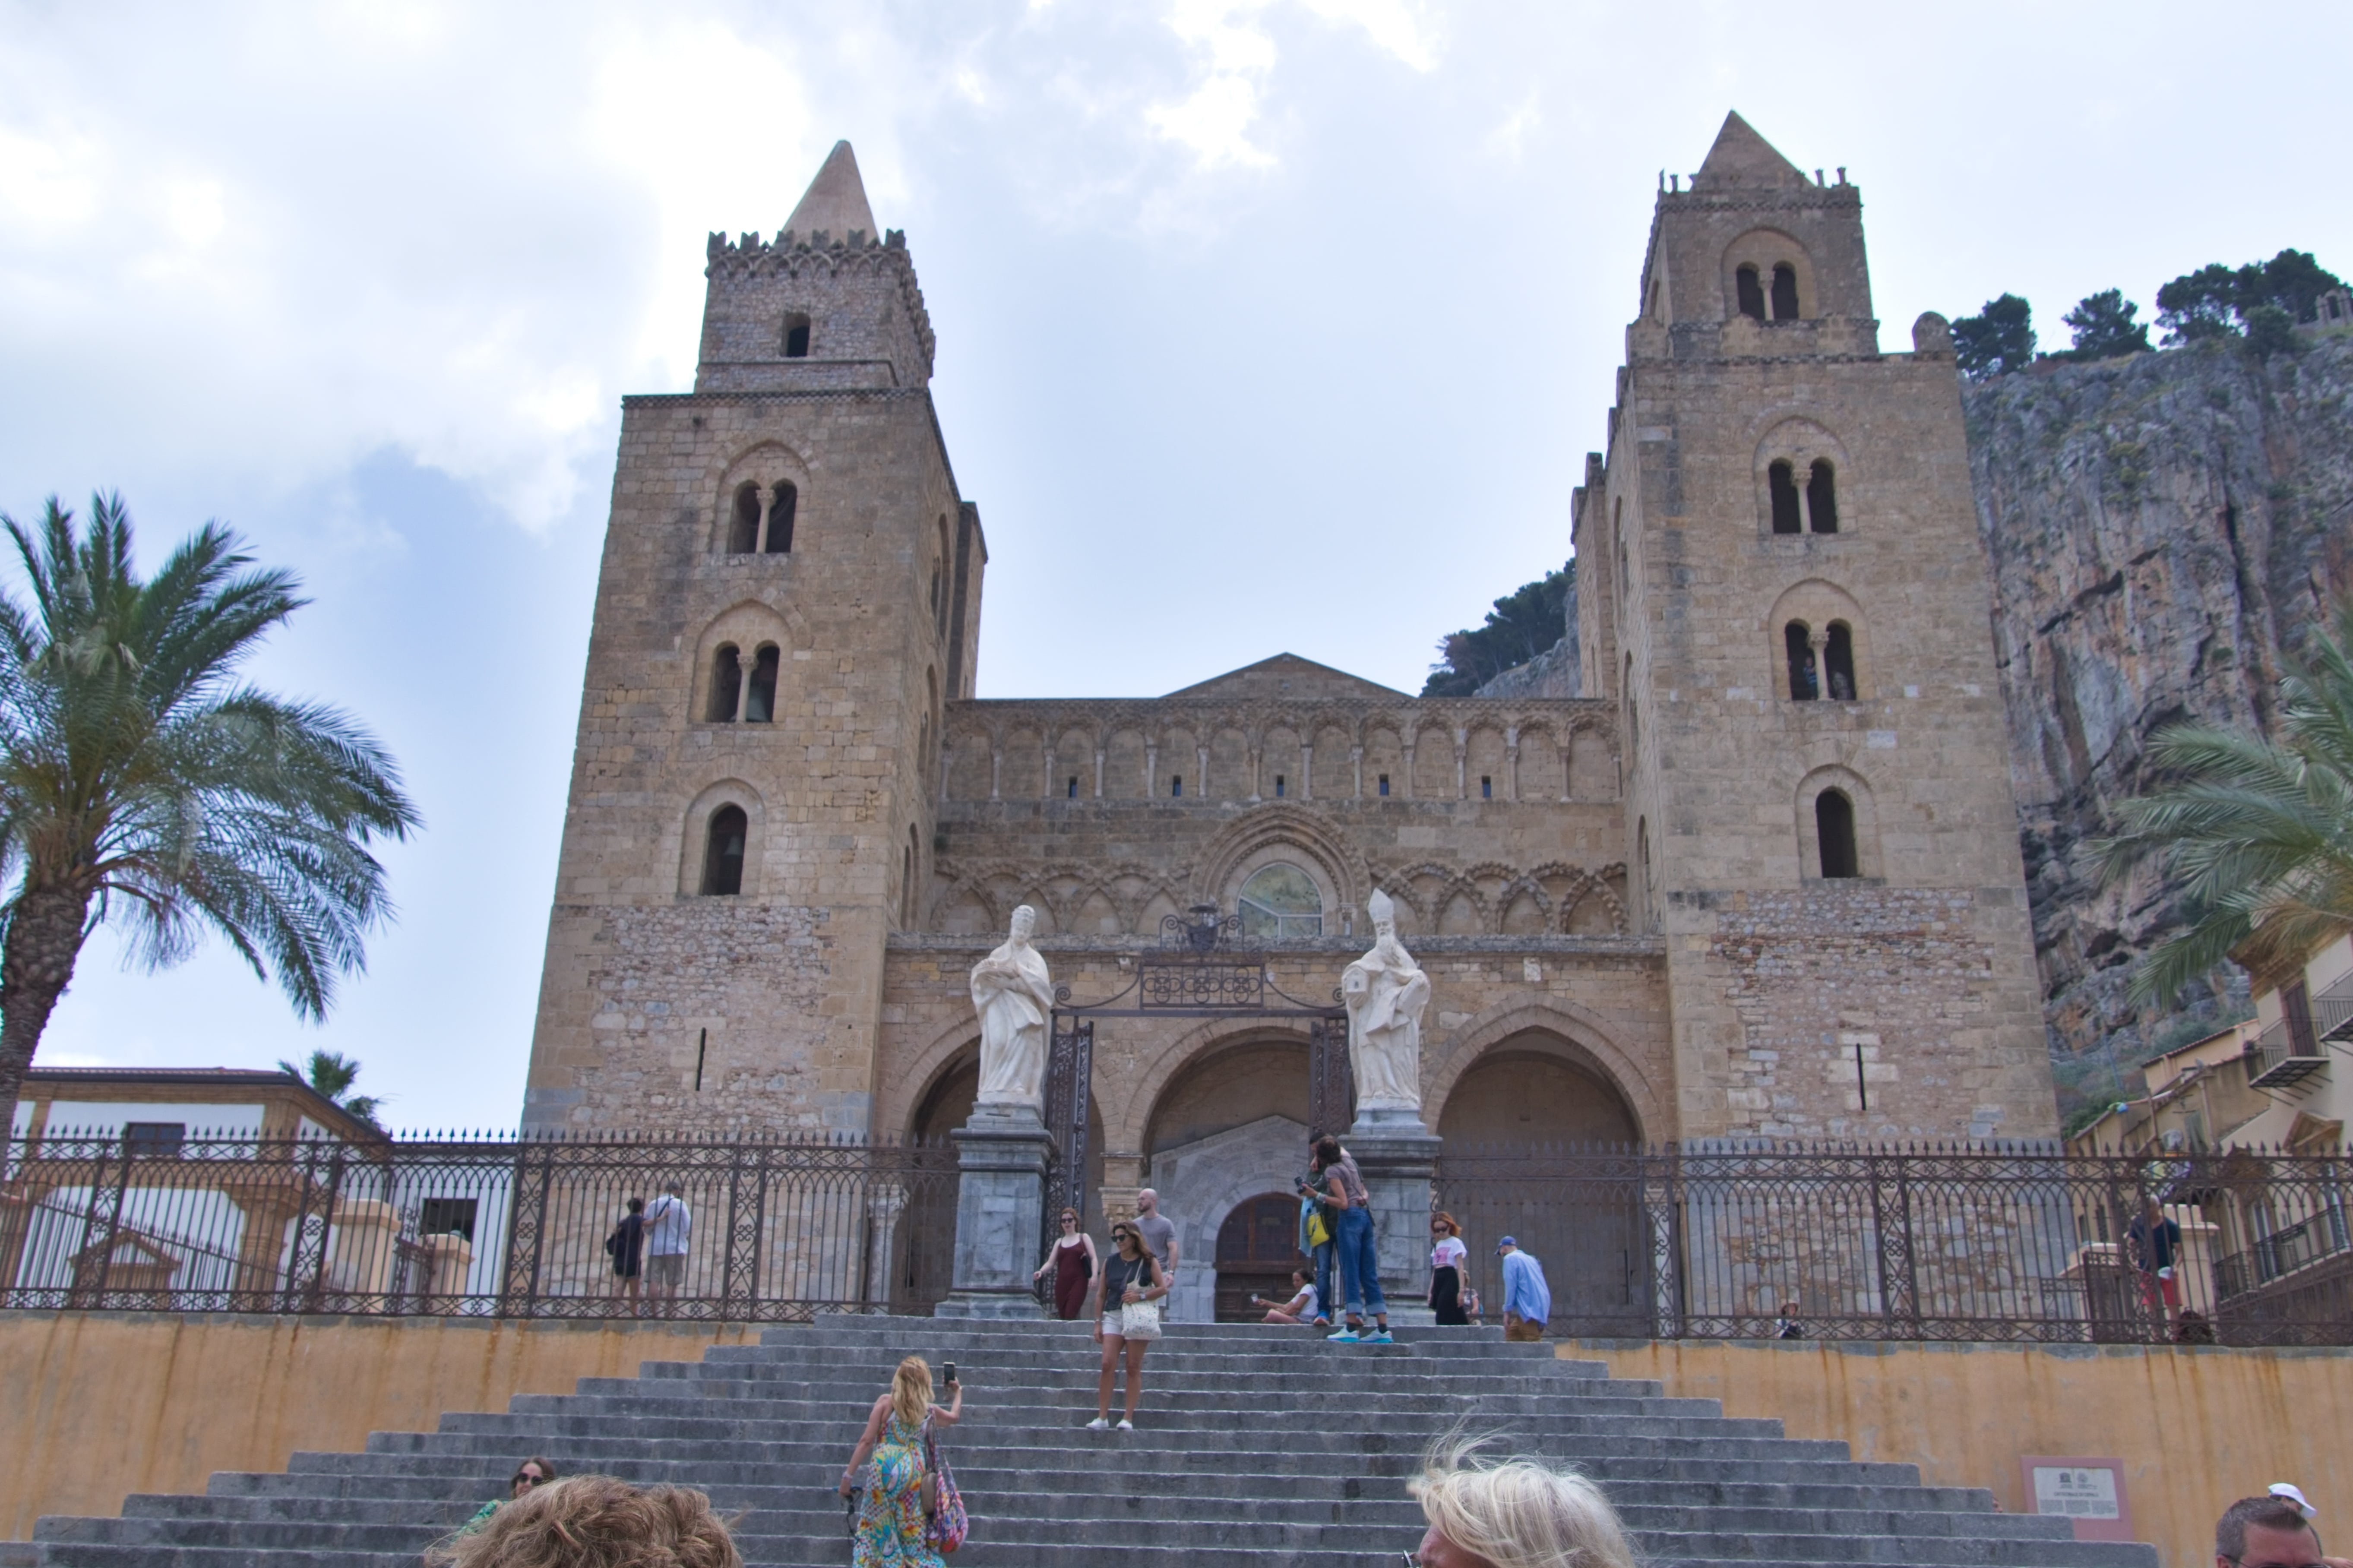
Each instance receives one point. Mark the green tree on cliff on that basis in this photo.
(1525, 623)
(141, 781)
(1997, 340)
(2256, 834)
(2103, 327)
(2224, 302)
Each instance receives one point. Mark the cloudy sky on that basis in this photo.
(1264, 324)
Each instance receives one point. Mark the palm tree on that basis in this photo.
(139, 780)
(332, 1073)
(2258, 835)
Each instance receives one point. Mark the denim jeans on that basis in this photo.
(1325, 1306)
(1358, 1264)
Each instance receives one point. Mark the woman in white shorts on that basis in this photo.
(1132, 1279)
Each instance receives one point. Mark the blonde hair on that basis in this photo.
(595, 1522)
(1519, 1513)
(910, 1390)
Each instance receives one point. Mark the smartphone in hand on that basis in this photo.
(949, 1373)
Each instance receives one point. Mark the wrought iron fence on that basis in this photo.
(2022, 1243)
(772, 1229)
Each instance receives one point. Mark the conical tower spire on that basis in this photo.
(835, 201)
(1740, 157)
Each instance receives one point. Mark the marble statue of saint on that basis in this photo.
(1014, 998)
(1385, 991)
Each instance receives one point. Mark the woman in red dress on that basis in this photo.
(1073, 1259)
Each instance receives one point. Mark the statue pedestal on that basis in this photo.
(1000, 1192)
(1397, 1157)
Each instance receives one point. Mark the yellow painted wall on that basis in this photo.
(97, 1405)
(2196, 1428)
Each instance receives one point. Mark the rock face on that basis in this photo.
(2162, 530)
(1552, 673)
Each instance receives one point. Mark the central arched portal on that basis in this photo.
(1258, 1248)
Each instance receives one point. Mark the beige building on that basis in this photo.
(1760, 878)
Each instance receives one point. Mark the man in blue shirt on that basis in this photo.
(1527, 1300)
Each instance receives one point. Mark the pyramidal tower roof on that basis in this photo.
(836, 200)
(1740, 157)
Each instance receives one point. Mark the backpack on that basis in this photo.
(946, 1528)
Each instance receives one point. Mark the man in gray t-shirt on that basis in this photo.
(1160, 1236)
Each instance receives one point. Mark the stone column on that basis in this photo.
(1000, 1196)
(1397, 1157)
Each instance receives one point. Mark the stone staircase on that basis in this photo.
(1256, 1447)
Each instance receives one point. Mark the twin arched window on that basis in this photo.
(760, 521)
(1750, 286)
(723, 842)
(1832, 673)
(738, 690)
(1816, 508)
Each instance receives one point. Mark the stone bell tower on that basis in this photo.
(1785, 591)
(790, 593)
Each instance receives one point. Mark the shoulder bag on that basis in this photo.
(1140, 1319)
(946, 1528)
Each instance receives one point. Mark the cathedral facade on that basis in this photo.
(1759, 878)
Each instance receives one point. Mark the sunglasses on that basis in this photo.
(525, 1478)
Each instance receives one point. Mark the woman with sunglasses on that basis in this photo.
(532, 1472)
(1130, 1279)
(1072, 1258)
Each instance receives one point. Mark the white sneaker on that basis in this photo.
(1098, 1425)
(1125, 1425)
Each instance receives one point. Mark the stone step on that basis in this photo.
(1257, 1448)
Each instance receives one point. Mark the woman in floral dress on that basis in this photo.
(891, 1520)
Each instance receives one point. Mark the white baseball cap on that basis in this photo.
(2283, 1489)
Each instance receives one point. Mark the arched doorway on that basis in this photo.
(1258, 1247)
(1230, 1127)
(1526, 1127)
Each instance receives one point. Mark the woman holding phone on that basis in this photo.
(899, 1486)
(1127, 1314)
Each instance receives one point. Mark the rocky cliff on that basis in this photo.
(2162, 530)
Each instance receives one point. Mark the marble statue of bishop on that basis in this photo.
(1386, 991)
(1014, 998)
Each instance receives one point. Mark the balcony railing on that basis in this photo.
(2278, 1058)
(2332, 1011)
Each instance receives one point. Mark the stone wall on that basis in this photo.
(2162, 527)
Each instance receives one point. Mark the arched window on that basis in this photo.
(1797, 640)
(1821, 499)
(1175, 785)
(1785, 292)
(760, 697)
(743, 524)
(1280, 900)
(1837, 662)
(1752, 297)
(726, 685)
(907, 883)
(722, 851)
(1781, 480)
(939, 609)
(1834, 827)
(786, 501)
(797, 334)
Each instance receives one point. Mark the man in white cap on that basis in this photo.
(2274, 1530)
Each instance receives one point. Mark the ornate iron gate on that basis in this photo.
(1197, 973)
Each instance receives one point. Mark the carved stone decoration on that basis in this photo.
(1014, 996)
(1386, 993)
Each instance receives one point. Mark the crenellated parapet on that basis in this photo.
(856, 297)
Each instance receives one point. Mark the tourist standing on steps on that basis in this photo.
(1157, 1234)
(1127, 1318)
(1447, 1255)
(1316, 1220)
(668, 1223)
(900, 1494)
(1516, 1513)
(627, 1247)
(1527, 1299)
(1360, 1271)
(1075, 1264)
